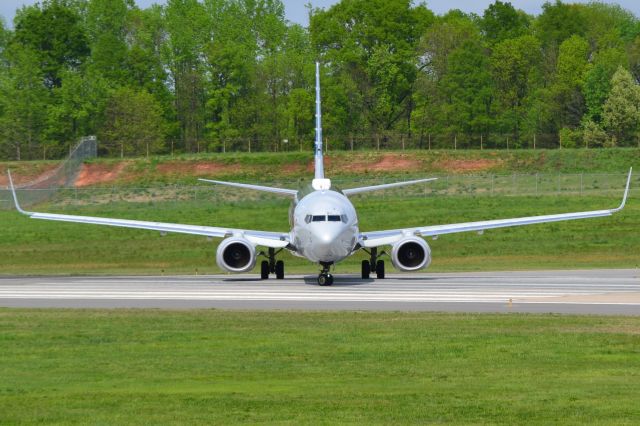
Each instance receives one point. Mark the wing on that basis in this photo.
(352, 191)
(380, 238)
(281, 191)
(261, 238)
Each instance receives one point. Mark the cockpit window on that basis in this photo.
(334, 218)
(307, 219)
(344, 218)
(322, 218)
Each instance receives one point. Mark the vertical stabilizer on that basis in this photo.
(319, 182)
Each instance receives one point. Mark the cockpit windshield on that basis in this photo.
(326, 218)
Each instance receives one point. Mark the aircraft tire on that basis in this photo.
(264, 270)
(325, 280)
(380, 269)
(366, 269)
(280, 270)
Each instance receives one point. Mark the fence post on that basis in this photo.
(534, 141)
(481, 147)
(429, 141)
(455, 142)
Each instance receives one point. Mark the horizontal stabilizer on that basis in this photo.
(281, 191)
(353, 191)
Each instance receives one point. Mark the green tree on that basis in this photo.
(621, 112)
(133, 123)
(23, 101)
(54, 31)
(597, 83)
(186, 30)
(501, 21)
(514, 71)
(568, 103)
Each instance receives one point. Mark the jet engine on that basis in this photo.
(236, 255)
(410, 254)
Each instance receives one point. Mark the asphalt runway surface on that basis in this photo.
(615, 292)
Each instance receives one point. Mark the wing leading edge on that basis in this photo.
(380, 238)
(262, 238)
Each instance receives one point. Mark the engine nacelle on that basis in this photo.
(236, 255)
(411, 254)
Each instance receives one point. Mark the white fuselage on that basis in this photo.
(324, 226)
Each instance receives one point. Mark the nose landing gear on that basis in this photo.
(325, 278)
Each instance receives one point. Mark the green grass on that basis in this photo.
(30, 246)
(214, 367)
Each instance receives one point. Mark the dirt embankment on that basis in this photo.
(340, 164)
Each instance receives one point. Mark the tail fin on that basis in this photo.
(319, 163)
(319, 181)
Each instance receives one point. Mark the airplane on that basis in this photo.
(324, 227)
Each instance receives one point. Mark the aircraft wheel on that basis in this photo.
(325, 280)
(366, 269)
(380, 269)
(264, 270)
(280, 270)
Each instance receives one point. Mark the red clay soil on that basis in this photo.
(96, 174)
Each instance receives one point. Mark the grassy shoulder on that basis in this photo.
(30, 246)
(203, 367)
(292, 166)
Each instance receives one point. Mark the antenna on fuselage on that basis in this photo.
(319, 181)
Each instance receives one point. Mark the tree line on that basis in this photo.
(213, 75)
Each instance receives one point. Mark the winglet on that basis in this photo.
(626, 193)
(15, 197)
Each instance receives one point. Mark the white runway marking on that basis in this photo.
(615, 287)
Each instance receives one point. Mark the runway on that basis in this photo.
(593, 292)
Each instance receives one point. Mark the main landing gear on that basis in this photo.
(325, 278)
(272, 266)
(374, 265)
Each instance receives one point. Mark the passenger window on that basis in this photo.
(334, 218)
(319, 218)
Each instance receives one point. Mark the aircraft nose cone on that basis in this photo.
(327, 236)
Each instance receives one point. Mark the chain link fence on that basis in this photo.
(609, 184)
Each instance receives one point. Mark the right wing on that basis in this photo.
(353, 191)
(381, 238)
(261, 238)
(281, 191)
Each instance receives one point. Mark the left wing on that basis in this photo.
(352, 191)
(261, 238)
(381, 238)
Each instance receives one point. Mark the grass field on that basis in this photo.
(30, 246)
(213, 367)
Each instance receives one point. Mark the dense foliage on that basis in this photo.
(235, 74)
